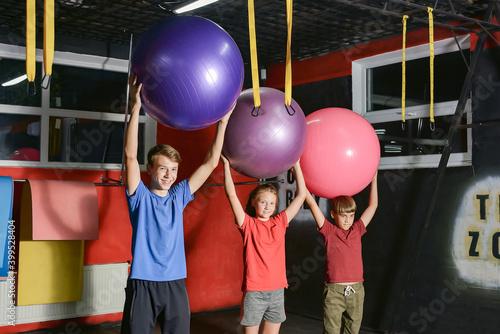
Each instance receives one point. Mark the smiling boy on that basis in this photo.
(156, 290)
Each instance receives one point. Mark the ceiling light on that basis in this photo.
(192, 5)
(15, 81)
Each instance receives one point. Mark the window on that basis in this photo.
(377, 85)
(75, 121)
(20, 137)
(16, 94)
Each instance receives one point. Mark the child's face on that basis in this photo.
(163, 172)
(265, 205)
(343, 220)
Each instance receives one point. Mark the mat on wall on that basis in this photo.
(6, 224)
(63, 210)
(56, 216)
(50, 272)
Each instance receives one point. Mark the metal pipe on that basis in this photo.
(400, 15)
(442, 12)
(125, 125)
(477, 125)
(205, 185)
(243, 183)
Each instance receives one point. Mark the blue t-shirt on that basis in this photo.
(157, 233)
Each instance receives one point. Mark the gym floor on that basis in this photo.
(217, 322)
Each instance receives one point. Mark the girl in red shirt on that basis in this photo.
(263, 235)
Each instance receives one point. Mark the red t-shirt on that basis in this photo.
(264, 253)
(344, 262)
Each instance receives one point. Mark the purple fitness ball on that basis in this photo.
(266, 145)
(191, 71)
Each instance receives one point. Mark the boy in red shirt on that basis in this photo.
(344, 293)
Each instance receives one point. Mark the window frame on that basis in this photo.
(45, 112)
(360, 80)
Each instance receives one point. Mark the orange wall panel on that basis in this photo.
(214, 247)
(115, 231)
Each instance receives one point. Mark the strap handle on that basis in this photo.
(253, 55)
(288, 63)
(48, 37)
(31, 40)
(403, 70)
(431, 65)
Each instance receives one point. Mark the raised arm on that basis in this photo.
(132, 169)
(315, 210)
(236, 207)
(369, 212)
(300, 196)
(202, 173)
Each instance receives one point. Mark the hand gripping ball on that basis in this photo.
(191, 71)
(342, 153)
(268, 144)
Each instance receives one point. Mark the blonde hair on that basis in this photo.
(165, 150)
(343, 204)
(250, 209)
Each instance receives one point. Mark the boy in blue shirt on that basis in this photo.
(156, 289)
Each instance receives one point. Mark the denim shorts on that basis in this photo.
(258, 305)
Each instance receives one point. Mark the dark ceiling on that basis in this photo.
(319, 26)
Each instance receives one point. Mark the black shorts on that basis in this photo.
(147, 302)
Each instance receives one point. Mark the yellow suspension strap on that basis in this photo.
(288, 63)
(253, 58)
(31, 44)
(431, 57)
(48, 39)
(403, 70)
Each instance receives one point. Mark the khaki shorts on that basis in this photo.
(343, 307)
